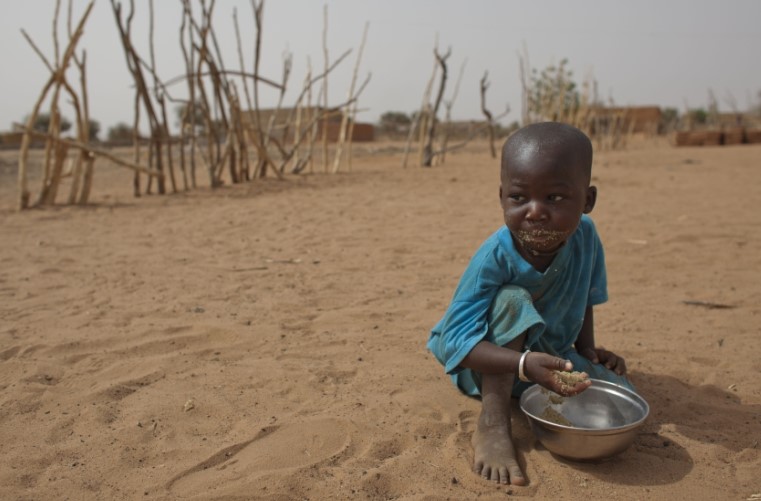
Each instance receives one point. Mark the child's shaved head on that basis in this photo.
(570, 146)
(545, 187)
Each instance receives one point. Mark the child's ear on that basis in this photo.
(591, 199)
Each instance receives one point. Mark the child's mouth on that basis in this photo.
(541, 240)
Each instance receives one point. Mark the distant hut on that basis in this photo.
(361, 132)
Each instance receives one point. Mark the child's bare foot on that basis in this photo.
(494, 456)
(494, 453)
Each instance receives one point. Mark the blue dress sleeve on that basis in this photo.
(465, 322)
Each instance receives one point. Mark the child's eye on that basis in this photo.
(515, 197)
(555, 198)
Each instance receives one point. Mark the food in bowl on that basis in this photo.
(596, 424)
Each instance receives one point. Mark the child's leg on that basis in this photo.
(494, 453)
(511, 318)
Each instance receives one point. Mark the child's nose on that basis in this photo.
(536, 211)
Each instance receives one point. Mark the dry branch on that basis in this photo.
(472, 135)
(448, 113)
(91, 150)
(190, 108)
(57, 77)
(325, 88)
(430, 133)
(346, 111)
(484, 85)
(287, 155)
(423, 110)
(135, 68)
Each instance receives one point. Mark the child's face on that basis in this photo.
(543, 197)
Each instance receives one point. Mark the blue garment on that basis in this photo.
(549, 306)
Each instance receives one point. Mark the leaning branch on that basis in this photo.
(89, 149)
(236, 73)
(472, 136)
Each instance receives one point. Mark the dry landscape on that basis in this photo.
(267, 340)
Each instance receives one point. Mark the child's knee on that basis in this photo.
(511, 314)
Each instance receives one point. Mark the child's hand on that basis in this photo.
(541, 369)
(607, 358)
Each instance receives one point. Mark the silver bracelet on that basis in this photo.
(521, 364)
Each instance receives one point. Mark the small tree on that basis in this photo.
(553, 94)
(395, 122)
(42, 123)
(93, 129)
(756, 108)
(120, 132)
(184, 120)
(669, 120)
(698, 116)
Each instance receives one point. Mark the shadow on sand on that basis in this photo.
(678, 410)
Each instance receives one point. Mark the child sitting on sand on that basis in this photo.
(524, 304)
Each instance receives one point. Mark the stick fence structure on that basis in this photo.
(223, 128)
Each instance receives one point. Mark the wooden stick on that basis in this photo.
(242, 125)
(416, 119)
(135, 68)
(472, 135)
(325, 89)
(240, 58)
(56, 52)
(23, 191)
(319, 116)
(448, 114)
(61, 150)
(345, 113)
(54, 122)
(159, 96)
(83, 127)
(484, 85)
(312, 125)
(297, 127)
(91, 150)
(190, 108)
(263, 160)
(307, 90)
(88, 173)
(428, 148)
(37, 51)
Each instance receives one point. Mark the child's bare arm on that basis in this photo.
(585, 345)
(488, 358)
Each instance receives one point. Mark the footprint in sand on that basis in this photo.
(283, 448)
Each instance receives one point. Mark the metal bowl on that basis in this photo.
(596, 424)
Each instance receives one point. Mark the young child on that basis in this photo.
(523, 307)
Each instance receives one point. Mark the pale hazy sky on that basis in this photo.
(645, 52)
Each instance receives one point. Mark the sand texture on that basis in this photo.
(267, 341)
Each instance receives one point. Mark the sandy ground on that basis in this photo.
(268, 341)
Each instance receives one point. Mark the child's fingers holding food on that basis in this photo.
(570, 383)
(556, 374)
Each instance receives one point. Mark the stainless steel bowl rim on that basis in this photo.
(593, 431)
